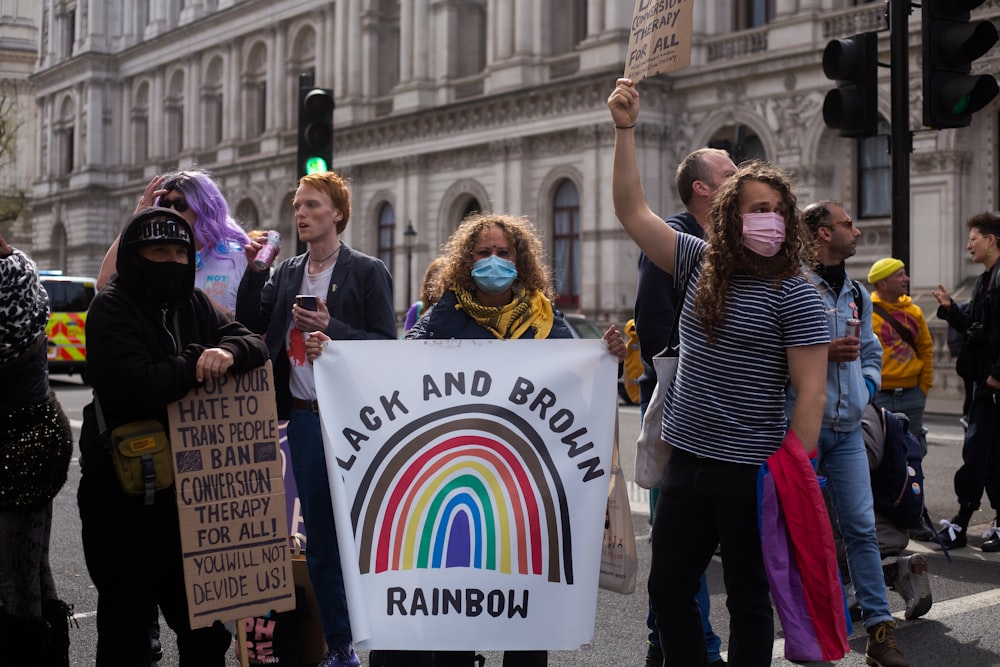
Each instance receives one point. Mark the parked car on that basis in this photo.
(69, 299)
(582, 327)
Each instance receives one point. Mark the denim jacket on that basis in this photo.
(846, 392)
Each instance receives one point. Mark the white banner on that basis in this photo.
(469, 483)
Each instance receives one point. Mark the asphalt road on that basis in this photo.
(960, 629)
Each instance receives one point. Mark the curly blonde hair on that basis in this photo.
(727, 256)
(532, 271)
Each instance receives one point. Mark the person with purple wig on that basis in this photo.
(219, 258)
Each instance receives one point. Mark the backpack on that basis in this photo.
(898, 479)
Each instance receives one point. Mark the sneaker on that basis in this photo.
(991, 540)
(654, 656)
(343, 656)
(881, 650)
(952, 534)
(914, 585)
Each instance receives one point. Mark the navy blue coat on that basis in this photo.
(444, 322)
(359, 299)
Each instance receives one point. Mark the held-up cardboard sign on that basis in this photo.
(231, 499)
(660, 37)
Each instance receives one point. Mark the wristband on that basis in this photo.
(624, 127)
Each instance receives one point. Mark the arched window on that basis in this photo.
(875, 175)
(386, 235)
(65, 135)
(387, 54)
(471, 39)
(471, 208)
(568, 21)
(140, 124)
(255, 93)
(58, 243)
(566, 244)
(211, 102)
(752, 13)
(173, 109)
(740, 141)
(246, 214)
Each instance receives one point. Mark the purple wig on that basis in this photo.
(213, 224)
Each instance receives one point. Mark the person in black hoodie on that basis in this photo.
(152, 337)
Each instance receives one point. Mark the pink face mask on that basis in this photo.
(763, 233)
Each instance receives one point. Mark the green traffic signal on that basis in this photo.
(951, 43)
(316, 165)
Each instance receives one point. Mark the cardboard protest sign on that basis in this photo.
(469, 492)
(660, 38)
(231, 499)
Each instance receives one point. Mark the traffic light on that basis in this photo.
(315, 130)
(852, 107)
(950, 43)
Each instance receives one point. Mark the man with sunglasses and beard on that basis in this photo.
(853, 376)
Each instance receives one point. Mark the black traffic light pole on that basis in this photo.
(901, 138)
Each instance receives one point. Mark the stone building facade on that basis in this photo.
(449, 106)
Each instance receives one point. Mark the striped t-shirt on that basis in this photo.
(728, 399)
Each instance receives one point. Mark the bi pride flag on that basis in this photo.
(469, 481)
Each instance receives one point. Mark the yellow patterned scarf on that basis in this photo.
(526, 310)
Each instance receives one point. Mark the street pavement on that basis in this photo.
(960, 629)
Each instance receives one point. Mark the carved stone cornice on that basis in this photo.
(507, 110)
(938, 162)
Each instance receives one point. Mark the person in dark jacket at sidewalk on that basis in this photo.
(152, 337)
(979, 361)
(350, 298)
(36, 443)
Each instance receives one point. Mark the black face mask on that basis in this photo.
(168, 282)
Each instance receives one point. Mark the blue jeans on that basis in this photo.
(706, 503)
(844, 461)
(713, 644)
(911, 402)
(305, 440)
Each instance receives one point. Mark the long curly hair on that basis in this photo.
(213, 223)
(727, 256)
(532, 271)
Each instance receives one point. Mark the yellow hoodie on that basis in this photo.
(902, 366)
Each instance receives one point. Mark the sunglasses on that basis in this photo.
(180, 205)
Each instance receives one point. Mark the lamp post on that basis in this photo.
(409, 237)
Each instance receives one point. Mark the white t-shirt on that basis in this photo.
(218, 275)
(301, 382)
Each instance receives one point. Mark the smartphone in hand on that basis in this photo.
(307, 301)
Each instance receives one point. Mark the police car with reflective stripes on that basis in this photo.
(69, 299)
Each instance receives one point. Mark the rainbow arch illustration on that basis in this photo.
(467, 486)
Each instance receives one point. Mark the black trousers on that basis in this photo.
(981, 452)
(133, 554)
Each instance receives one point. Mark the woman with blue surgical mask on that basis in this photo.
(495, 285)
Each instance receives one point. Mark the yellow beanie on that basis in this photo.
(883, 268)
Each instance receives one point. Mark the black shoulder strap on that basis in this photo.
(903, 332)
(856, 289)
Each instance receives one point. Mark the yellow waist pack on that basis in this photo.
(141, 455)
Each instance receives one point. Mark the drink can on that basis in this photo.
(853, 327)
(267, 251)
